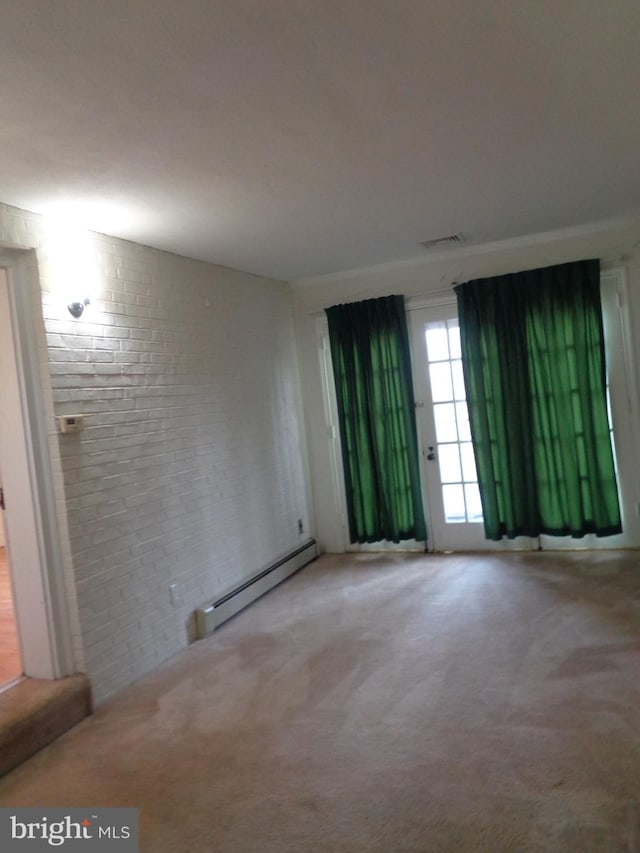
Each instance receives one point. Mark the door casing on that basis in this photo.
(31, 522)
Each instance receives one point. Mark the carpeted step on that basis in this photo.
(34, 712)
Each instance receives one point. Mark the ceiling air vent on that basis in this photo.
(451, 240)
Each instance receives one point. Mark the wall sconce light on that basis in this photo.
(76, 308)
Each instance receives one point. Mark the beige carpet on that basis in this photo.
(380, 703)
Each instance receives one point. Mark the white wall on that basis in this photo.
(616, 245)
(191, 467)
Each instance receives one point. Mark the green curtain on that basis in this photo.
(372, 372)
(534, 369)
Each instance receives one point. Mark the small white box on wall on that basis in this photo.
(71, 423)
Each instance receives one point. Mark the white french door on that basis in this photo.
(452, 500)
(450, 481)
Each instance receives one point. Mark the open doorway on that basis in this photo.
(10, 657)
(35, 575)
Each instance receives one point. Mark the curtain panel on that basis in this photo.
(534, 368)
(376, 412)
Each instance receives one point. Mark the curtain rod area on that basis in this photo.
(440, 296)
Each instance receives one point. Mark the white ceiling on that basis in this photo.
(295, 138)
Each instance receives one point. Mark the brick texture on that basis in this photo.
(190, 469)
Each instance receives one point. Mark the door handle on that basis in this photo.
(431, 455)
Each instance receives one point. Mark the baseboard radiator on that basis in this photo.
(208, 618)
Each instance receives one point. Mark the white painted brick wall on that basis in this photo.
(191, 466)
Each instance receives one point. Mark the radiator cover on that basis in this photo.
(209, 617)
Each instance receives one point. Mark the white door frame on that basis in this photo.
(31, 524)
(330, 407)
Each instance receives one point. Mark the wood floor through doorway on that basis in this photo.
(454, 704)
(10, 664)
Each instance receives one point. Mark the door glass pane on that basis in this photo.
(454, 339)
(441, 386)
(449, 457)
(458, 380)
(437, 342)
(474, 505)
(445, 418)
(454, 508)
(469, 473)
(462, 418)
